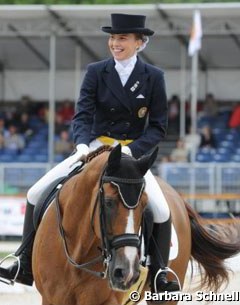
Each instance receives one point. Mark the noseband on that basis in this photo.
(123, 240)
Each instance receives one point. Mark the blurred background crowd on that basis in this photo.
(24, 132)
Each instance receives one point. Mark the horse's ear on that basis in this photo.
(145, 163)
(114, 159)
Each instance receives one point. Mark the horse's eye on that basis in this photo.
(109, 203)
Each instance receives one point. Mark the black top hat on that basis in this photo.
(125, 23)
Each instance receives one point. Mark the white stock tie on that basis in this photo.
(125, 68)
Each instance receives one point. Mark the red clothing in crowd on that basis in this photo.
(235, 118)
(66, 112)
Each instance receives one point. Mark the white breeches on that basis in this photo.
(156, 198)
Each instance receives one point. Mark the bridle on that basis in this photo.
(118, 241)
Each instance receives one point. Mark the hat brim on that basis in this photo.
(110, 30)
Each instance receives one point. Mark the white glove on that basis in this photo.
(126, 150)
(82, 149)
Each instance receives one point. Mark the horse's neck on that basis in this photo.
(77, 197)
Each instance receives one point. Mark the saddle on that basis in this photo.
(49, 195)
(45, 200)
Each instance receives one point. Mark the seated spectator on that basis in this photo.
(3, 129)
(1, 141)
(234, 121)
(66, 111)
(180, 153)
(26, 105)
(192, 140)
(10, 114)
(24, 126)
(13, 140)
(165, 159)
(43, 113)
(210, 107)
(59, 124)
(174, 115)
(164, 166)
(63, 145)
(207, 139)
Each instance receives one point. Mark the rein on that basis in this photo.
(118, 241)
(70, 259)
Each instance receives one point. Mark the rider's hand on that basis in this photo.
(126, 150)
(81, 150)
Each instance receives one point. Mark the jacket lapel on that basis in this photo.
(136, 79)
(113, 82)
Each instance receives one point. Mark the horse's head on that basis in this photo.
(122, 202)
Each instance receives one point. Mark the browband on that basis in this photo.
(123, 180)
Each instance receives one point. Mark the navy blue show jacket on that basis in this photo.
(137, 111)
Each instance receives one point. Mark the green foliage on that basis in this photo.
(106, 1)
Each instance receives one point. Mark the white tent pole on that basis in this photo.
(3, 85)
(194, 96)
(183, 92)
(52, 97)
(206, 83)
(77, 71)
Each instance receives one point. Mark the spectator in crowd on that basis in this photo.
(13, 140)
(43, 113)
(24, 126)
(10, 115)
(63, 145)
(207, 138)
(66, 111)
(174, 115)
(26, 105)
(1, 141)
(59, 124)
(165, 159)
(188, 115)
(234, 121)
(180, 153)
(164, 166)
(210, 107)
(192, 140)
(3, 129)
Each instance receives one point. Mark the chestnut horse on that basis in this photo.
(86, 249)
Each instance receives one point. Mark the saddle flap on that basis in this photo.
(44, 201)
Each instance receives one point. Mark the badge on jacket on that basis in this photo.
(142, 112)
(134, 87)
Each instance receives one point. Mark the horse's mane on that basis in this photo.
(95, 153)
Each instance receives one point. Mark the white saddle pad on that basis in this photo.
(174, 245)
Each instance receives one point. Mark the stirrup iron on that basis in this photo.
(17, 259)
(167, 270)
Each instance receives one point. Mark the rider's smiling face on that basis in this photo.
(123, 46)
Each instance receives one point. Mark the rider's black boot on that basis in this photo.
(160, 247)
(25, 275)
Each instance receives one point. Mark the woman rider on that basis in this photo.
(122, 100)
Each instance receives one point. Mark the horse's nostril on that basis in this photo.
(119, 273)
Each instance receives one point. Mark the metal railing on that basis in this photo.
(210, 187)
(200, 178)
(208, 178)
(17, 178)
